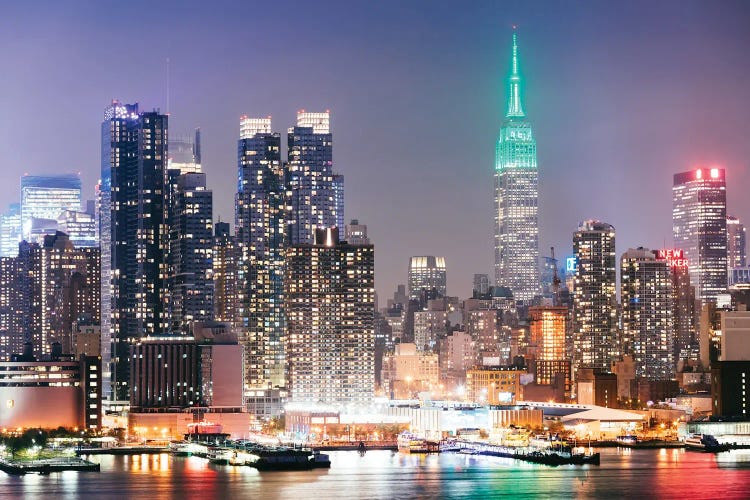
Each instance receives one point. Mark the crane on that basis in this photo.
(555, 281)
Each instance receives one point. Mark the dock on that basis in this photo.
(123, 450)
(47, 466)
(547, 456)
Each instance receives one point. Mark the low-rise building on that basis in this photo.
(493, 384)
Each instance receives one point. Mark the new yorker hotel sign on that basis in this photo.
(674, 257)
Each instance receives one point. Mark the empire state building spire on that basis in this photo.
(516, 197)
(515, 107)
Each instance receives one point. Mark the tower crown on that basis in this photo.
(515, 107)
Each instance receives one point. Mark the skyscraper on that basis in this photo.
(330, 308)
(134, 210)
(259, 223)
(427, 274)
(594, 297)
(683, 302)
(225, 275)
(699, 227)
(647, 313)
(46, 197)
(516, 196)
(10, 231)
(191, 252)
(735, 243)
(314, 191)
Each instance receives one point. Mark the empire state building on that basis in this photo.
(516, 197)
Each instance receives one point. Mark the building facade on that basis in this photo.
(516, 197)
(63, 284)
(427, 275)
(736, 256)
(313, 195)
(699, 227)
(46, 197)
(191, 252)
(330, 310)
(594, 299)
(10, 231)
(134, 201)
(647, 313)
(260, 219)
(548, 338)
(225, 275)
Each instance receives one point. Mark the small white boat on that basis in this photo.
(219, 456)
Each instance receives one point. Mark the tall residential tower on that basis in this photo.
(259, 224)
(516, 197)
(134, 209)
(594, 296)
(699, 227)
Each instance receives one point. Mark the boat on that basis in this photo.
(410, 443)
(180, 448)
(287, 459)
(627, 440)
(705, 442)
(320, 460)
(219, 456)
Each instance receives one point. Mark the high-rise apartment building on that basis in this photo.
(594, 298)
(699, 227)
(45, 197)
(64, 285)
(225, 275)
(134, 211)
(260, 226)
(516, 196)
(684, 317)
(191, 252)
(330, 310)
(13, 307)
(736, 256)
(314, 191)
(647, 313)
(10, 231)
(427, 275)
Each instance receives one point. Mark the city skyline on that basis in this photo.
(592, 148)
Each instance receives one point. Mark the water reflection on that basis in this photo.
(383, 474)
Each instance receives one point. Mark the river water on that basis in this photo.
(623, 473)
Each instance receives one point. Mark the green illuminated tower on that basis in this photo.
(516, 197)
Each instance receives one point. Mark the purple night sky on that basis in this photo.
(621, 96)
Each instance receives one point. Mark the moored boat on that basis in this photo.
(410, 443)
(219, 456)
(705, 442)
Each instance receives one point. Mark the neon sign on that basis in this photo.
(571, 264)
(674, 257)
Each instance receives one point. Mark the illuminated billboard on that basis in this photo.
(675, 257)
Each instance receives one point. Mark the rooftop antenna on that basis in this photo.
(167, 85)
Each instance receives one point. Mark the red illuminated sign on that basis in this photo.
(674, 257)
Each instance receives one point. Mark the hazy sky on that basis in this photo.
(621, 96)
